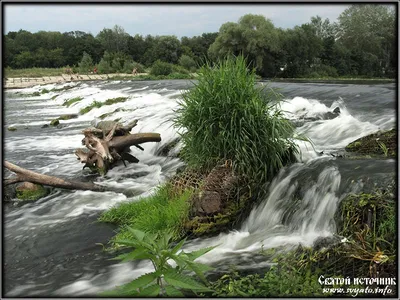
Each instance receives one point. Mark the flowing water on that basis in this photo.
(52, 247)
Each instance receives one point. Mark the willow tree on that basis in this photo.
(255, 37)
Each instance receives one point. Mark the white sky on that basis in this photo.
(167, 19)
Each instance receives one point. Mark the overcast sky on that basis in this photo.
(169, 19)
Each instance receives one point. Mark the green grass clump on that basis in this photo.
(157, 212)
(226, 117)
(94, 104)
(71, 101)
(97, 104)
(32, 195)
(115, 100)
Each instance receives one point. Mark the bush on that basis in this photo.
(86, 63)
(130, 65)
(226, 117)
(323, 71)
(161, 68)
(117, 65)
(180, 70)
(104, 67)
(187, 62)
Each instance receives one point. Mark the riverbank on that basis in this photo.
(24, 82)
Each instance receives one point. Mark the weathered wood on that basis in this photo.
(30, 176)
(121, 142)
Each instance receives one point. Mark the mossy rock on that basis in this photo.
(167, 147)
(54, 122)
(28, 191)
(379, 143)
(11, 128)
(68, 117)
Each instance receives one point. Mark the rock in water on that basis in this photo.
(31, 191)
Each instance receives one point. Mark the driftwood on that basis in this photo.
(105, 146)
(30, 176)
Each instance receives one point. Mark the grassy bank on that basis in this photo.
(32, 72)
(163, 210)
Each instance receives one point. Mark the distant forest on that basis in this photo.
(361, 44)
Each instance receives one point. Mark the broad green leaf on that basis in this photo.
(173, 292)
(178, 246)
(139, 253)
(150, 291)
(138, 234)
(131, 243)
(179, 261)
(197, 253)
(139, 282)
(199, 269)
(184, 282)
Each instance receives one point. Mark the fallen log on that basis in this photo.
(121, 142)
(30, 176)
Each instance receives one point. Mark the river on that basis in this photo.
(52, 247)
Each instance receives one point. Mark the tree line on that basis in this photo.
(362, 43)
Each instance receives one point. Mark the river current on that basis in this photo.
(53, 247)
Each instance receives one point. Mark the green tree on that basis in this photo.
(255, 37)
(24, 60)
(368, 31)
(187, 62)
(86, 63)
(114, 40)
(302, 49)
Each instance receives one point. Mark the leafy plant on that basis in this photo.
(225, 117)
(383, 147)
(165, 280)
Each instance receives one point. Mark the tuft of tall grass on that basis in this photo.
(71, 101)
(226, 117)
(159, 211)
(97, 104)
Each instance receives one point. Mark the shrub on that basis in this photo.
(130, 65)
(187, 62)
(180, 70)
(104, 67)
(226, 117)
(323, 71)
(86, 63)
(161, 68)
(117, 64)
